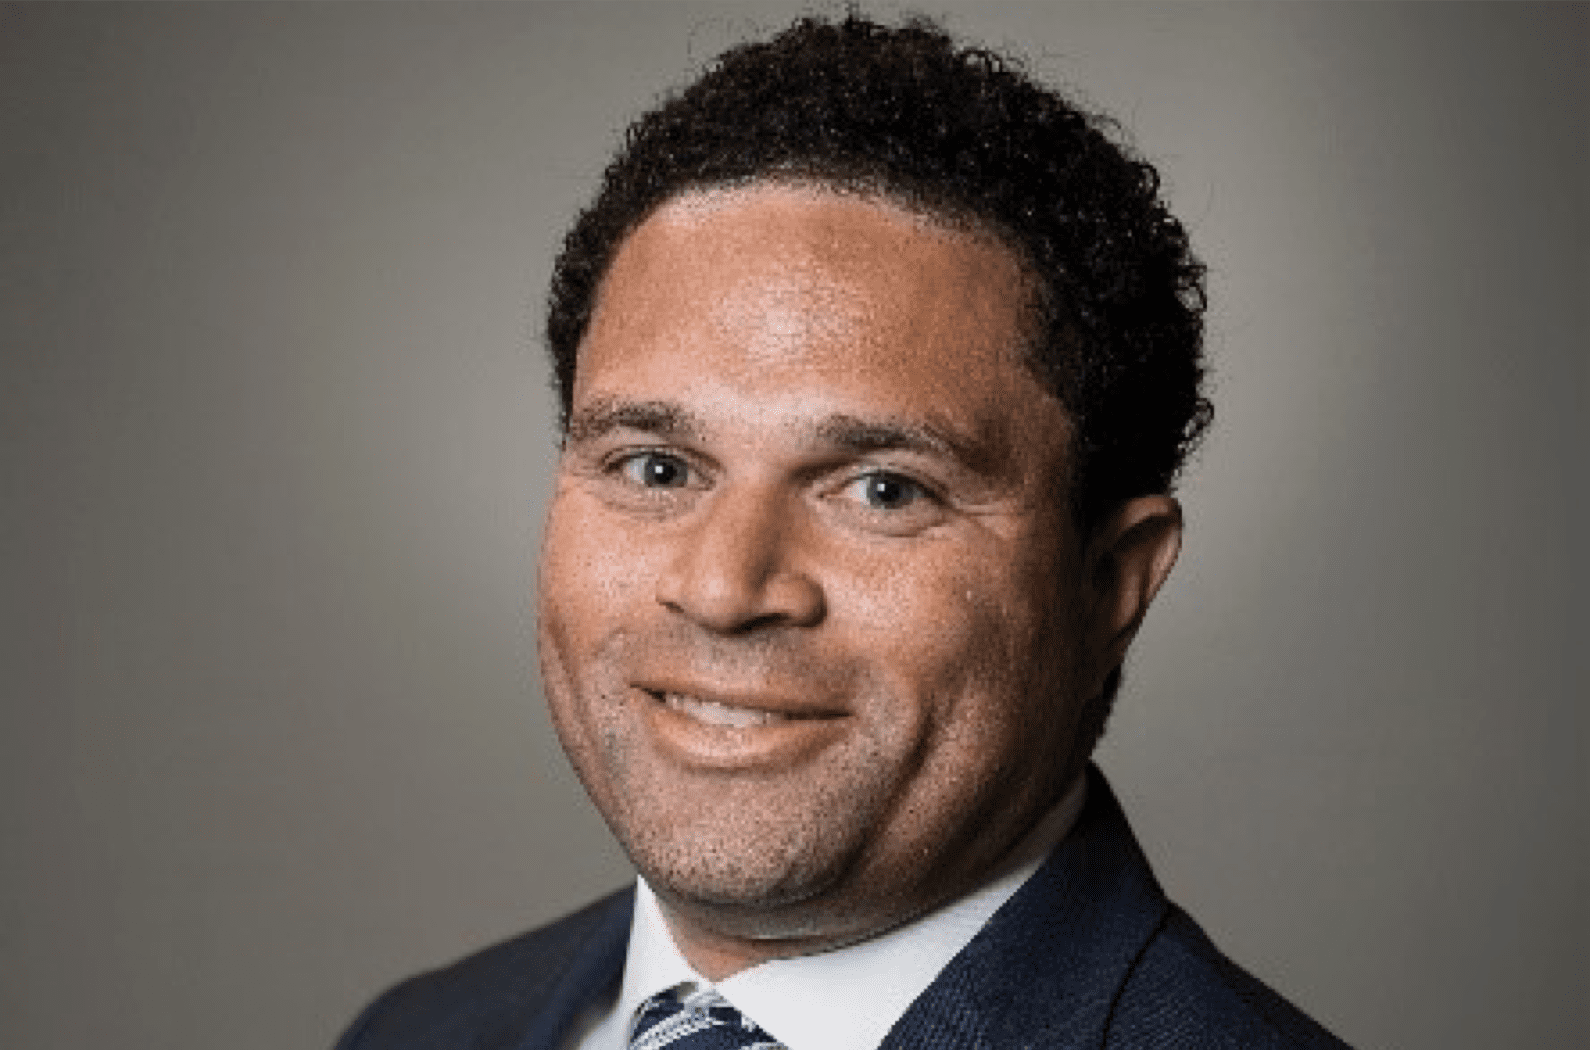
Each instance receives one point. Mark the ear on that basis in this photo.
(1128, 558)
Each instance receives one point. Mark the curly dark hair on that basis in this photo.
(962, 134)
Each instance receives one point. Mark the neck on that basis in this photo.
(717, 953)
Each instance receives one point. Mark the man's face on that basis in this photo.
(810, 610)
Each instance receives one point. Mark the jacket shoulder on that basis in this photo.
(499, 996)
(1183, 992)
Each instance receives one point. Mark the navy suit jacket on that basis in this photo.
(1088, 953)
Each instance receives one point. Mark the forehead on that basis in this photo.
(798, 287)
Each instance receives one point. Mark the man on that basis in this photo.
(877, 363)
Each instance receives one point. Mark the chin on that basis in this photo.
(762, 885)
(729, 874)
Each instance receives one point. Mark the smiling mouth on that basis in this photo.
(728, 716)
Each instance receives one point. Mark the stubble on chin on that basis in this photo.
(762, 857)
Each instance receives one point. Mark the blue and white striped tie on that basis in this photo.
(701, 1020)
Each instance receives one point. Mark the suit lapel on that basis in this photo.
(1046, 969)
(593, 971)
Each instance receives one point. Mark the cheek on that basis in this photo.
(589, 573)
(582, 587)
(984, 648)
(583, 680)
(944, 615)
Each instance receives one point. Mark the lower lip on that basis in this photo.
(778, 744)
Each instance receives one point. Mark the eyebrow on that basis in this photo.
(860, 436)
(840, 431)
(605, 415)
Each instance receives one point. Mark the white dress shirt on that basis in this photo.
(845, 999)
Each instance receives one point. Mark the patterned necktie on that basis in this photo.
(702, 1020)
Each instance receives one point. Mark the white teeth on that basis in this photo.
(715, 714)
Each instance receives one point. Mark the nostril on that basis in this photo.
(739, 564)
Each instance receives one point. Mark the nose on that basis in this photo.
(737, 567)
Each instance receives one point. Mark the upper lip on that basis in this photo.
(761, 699)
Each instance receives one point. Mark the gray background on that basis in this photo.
(274, 438)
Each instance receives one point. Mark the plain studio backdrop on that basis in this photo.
(275, 437)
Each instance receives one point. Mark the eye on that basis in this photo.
(884, 490)
(655, 470)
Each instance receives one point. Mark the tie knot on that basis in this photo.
(698, 1019)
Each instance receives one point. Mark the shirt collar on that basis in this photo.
(863, 988)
